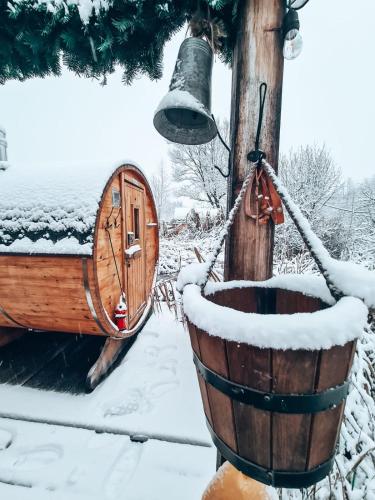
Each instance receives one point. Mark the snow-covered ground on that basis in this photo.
(63, 463)
(85, 451)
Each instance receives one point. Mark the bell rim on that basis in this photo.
(211, 129)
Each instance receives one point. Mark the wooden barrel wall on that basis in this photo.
(276, 442)
(78, 293)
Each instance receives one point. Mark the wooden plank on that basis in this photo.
(251, 366)
(288, 302)
(123, 230)
(108, 287)
(136, 291)
(248, 366)
(202, 383)
(23, 359)
(213, 355)
(293, 372)
(241, 299)
(335, 366)
(50, 291)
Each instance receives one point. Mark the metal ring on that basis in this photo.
(89, 300)
(270, 401)
(9, 318)
(275, 478)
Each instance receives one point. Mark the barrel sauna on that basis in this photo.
(73, 239)
(274, 413)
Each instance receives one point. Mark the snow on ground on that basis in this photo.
(154, 391)
(85, 452)
(56, 463)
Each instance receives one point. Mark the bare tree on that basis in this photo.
(367, 199)
(194, 169)
(366, 219)
(313, 180)
(311, 176)
(163, 193)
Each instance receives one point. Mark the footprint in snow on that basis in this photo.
(169, 365)
(160, 388)
(123, 470)
(150, 333)
(40, 456)
(142, 399)
(6, 439)
(156, 351)
(134, 401)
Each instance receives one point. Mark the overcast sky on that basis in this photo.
(329, 97)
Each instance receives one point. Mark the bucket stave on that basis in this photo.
(274, 414)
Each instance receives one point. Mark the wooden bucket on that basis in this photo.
(274, 414)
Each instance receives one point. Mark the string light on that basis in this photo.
(293, 42)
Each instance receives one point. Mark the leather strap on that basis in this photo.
(267, 201)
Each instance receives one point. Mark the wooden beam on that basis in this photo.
(257, 58)
(9, 335)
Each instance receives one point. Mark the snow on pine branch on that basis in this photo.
(86, 8)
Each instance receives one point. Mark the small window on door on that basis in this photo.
(136, 227)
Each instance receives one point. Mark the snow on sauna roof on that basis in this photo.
(48, 208)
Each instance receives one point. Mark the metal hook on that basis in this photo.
(257, 154)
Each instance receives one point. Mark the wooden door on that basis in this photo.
(135, 250)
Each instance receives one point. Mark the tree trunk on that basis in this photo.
(257, 58)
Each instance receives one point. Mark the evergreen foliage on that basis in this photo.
(38, 37)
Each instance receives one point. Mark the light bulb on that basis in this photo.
(297, 4)
(293, 44)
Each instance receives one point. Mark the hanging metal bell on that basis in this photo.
(184, 114)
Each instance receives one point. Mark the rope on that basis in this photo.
(228, 224)
(297, 219)
(257, 157)
(114, 258)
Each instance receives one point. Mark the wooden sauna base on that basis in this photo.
(111, 353)
(9, 335)
(55, 361)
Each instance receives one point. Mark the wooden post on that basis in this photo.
(257, 58)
